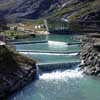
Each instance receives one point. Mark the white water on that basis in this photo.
(56, 43)
(65, 85)
(57, 54)
(58, 75)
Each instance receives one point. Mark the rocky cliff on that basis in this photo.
(28, 8)
(90, 55)
(15, 71)
(70, 9)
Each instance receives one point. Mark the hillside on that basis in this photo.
(28, 8)
(71, 9)
(77, 9)
(79, 12)
(15, 71)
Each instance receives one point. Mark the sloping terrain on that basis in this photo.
(15, 71)
(71, 9)
(29, 8)
(78, 11)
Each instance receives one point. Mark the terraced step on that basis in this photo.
(46, 67)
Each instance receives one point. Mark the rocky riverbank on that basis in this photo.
(15, 71)
(90, 54)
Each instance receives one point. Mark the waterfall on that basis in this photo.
(57, 66)
(47, 38)
(62, 75)
(57, 43)
(48, 53)
(37, 71)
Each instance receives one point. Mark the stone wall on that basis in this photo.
(90, 56)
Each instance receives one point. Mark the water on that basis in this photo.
(50, 58)
(56, 50)
(67, 84)
(55, 43)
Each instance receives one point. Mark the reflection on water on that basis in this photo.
(48, 47)
(54, 51)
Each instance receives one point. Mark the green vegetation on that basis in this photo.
(76, 10)
(85, 9)
(16, 34)
(14, 68)
(56, 24)
(34, 22)
(8, 57)
(60, 12)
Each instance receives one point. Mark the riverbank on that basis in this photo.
(90, 54)
(11, 35)
(15, 71)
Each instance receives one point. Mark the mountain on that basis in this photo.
(28, 8)
(71, 10)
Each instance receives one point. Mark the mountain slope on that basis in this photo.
(30, 8)
(77, 9)
(71, 10)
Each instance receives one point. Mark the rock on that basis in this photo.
(15, 71)
(91, 58)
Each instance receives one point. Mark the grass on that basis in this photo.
(17, 34)
(76, 10)
(32, 24)
(85, 9)
(10, 57)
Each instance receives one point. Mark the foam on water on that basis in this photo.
(57, 54)
(58, 75)
(56, 43)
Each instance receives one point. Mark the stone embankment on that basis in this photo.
(90, 54)
(15, 71)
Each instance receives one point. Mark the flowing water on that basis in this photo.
(55, 50)
(53, 83)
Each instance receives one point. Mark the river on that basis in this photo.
(57, 84)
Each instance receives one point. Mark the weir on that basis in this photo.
(48, 67)
(45, 41)
(47, 52)
(29, 42)
(57, 68)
